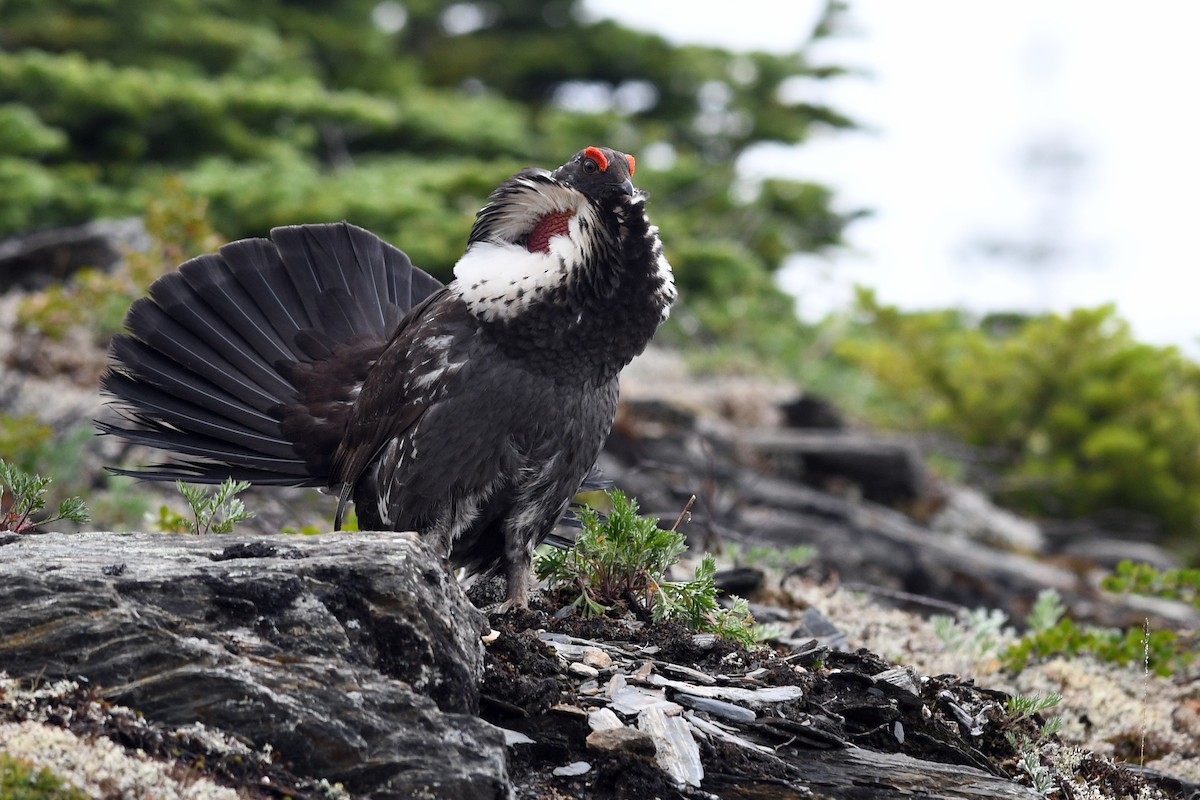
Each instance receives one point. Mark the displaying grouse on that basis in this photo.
(470, 412)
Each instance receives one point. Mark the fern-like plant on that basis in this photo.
(23, 495)
(624, 557)
(212, 511)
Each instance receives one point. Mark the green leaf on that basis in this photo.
(624, 555)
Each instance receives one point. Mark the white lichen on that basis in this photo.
(101, 769)
(1101, 702)
(32, 729)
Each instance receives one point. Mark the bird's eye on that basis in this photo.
(590, 166)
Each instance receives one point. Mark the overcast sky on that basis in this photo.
(1030, 155)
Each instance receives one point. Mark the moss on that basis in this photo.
(20, 780)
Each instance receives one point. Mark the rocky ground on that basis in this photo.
(351, 665)
(200, 661)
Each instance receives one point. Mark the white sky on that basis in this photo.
(955, 95)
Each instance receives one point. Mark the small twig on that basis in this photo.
(1145, 689)
(908, 597)
(684, 515)
(885, 727)
(641, 612)
(784, 744)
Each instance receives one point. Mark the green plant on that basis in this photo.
(976, 636)
(1047, 610)
(21, 780)
(1029, 761)
(1028, 749)
(694, 603)
(1164, 652)
(772, 557)
(171, 521)
(1143, 579)
(1020, 706)
(22, 495)
(212, 511)
(1028, 752)
(624, 558)
(114, 503)
(24, 439)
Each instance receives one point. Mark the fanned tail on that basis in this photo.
(246, 362)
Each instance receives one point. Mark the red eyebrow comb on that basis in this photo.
(595, 155)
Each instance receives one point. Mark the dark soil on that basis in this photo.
(842, 704)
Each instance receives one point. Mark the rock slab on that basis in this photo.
(356, 657)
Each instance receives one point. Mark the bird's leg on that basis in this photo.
(517, 565)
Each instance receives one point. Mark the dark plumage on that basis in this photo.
(470, 413)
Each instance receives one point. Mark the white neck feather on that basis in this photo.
(498, 279)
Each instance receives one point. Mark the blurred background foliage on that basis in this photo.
(229, 118)
(1077, 417)
(398, 117)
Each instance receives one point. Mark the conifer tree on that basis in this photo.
(400, 117)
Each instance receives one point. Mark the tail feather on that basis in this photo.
(186, 387)
(368, 254)
(162, 332)
(305, 252)
(357, 279)
(374, 286)
(235, 461)
(256, 267)
(211, 279)
(233, 458)
(244, 362)
(205, 318)
(156, 408)
(337, 321)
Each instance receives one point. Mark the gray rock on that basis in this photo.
(356, 657)
(573, 770)
(718, 708)
(760, 698)
(1108, 551)
(603, 719)
(971, 514)
(677, 752)
(39, 259)
(886, 469)
(622, 740)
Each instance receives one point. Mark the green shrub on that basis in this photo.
(291, 113)
(1173, 584)
(1083, 417)
(1021, 706)
(1164, 652)
(176, 222)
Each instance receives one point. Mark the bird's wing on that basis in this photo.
(410, 376)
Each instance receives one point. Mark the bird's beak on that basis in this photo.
(627, 186)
